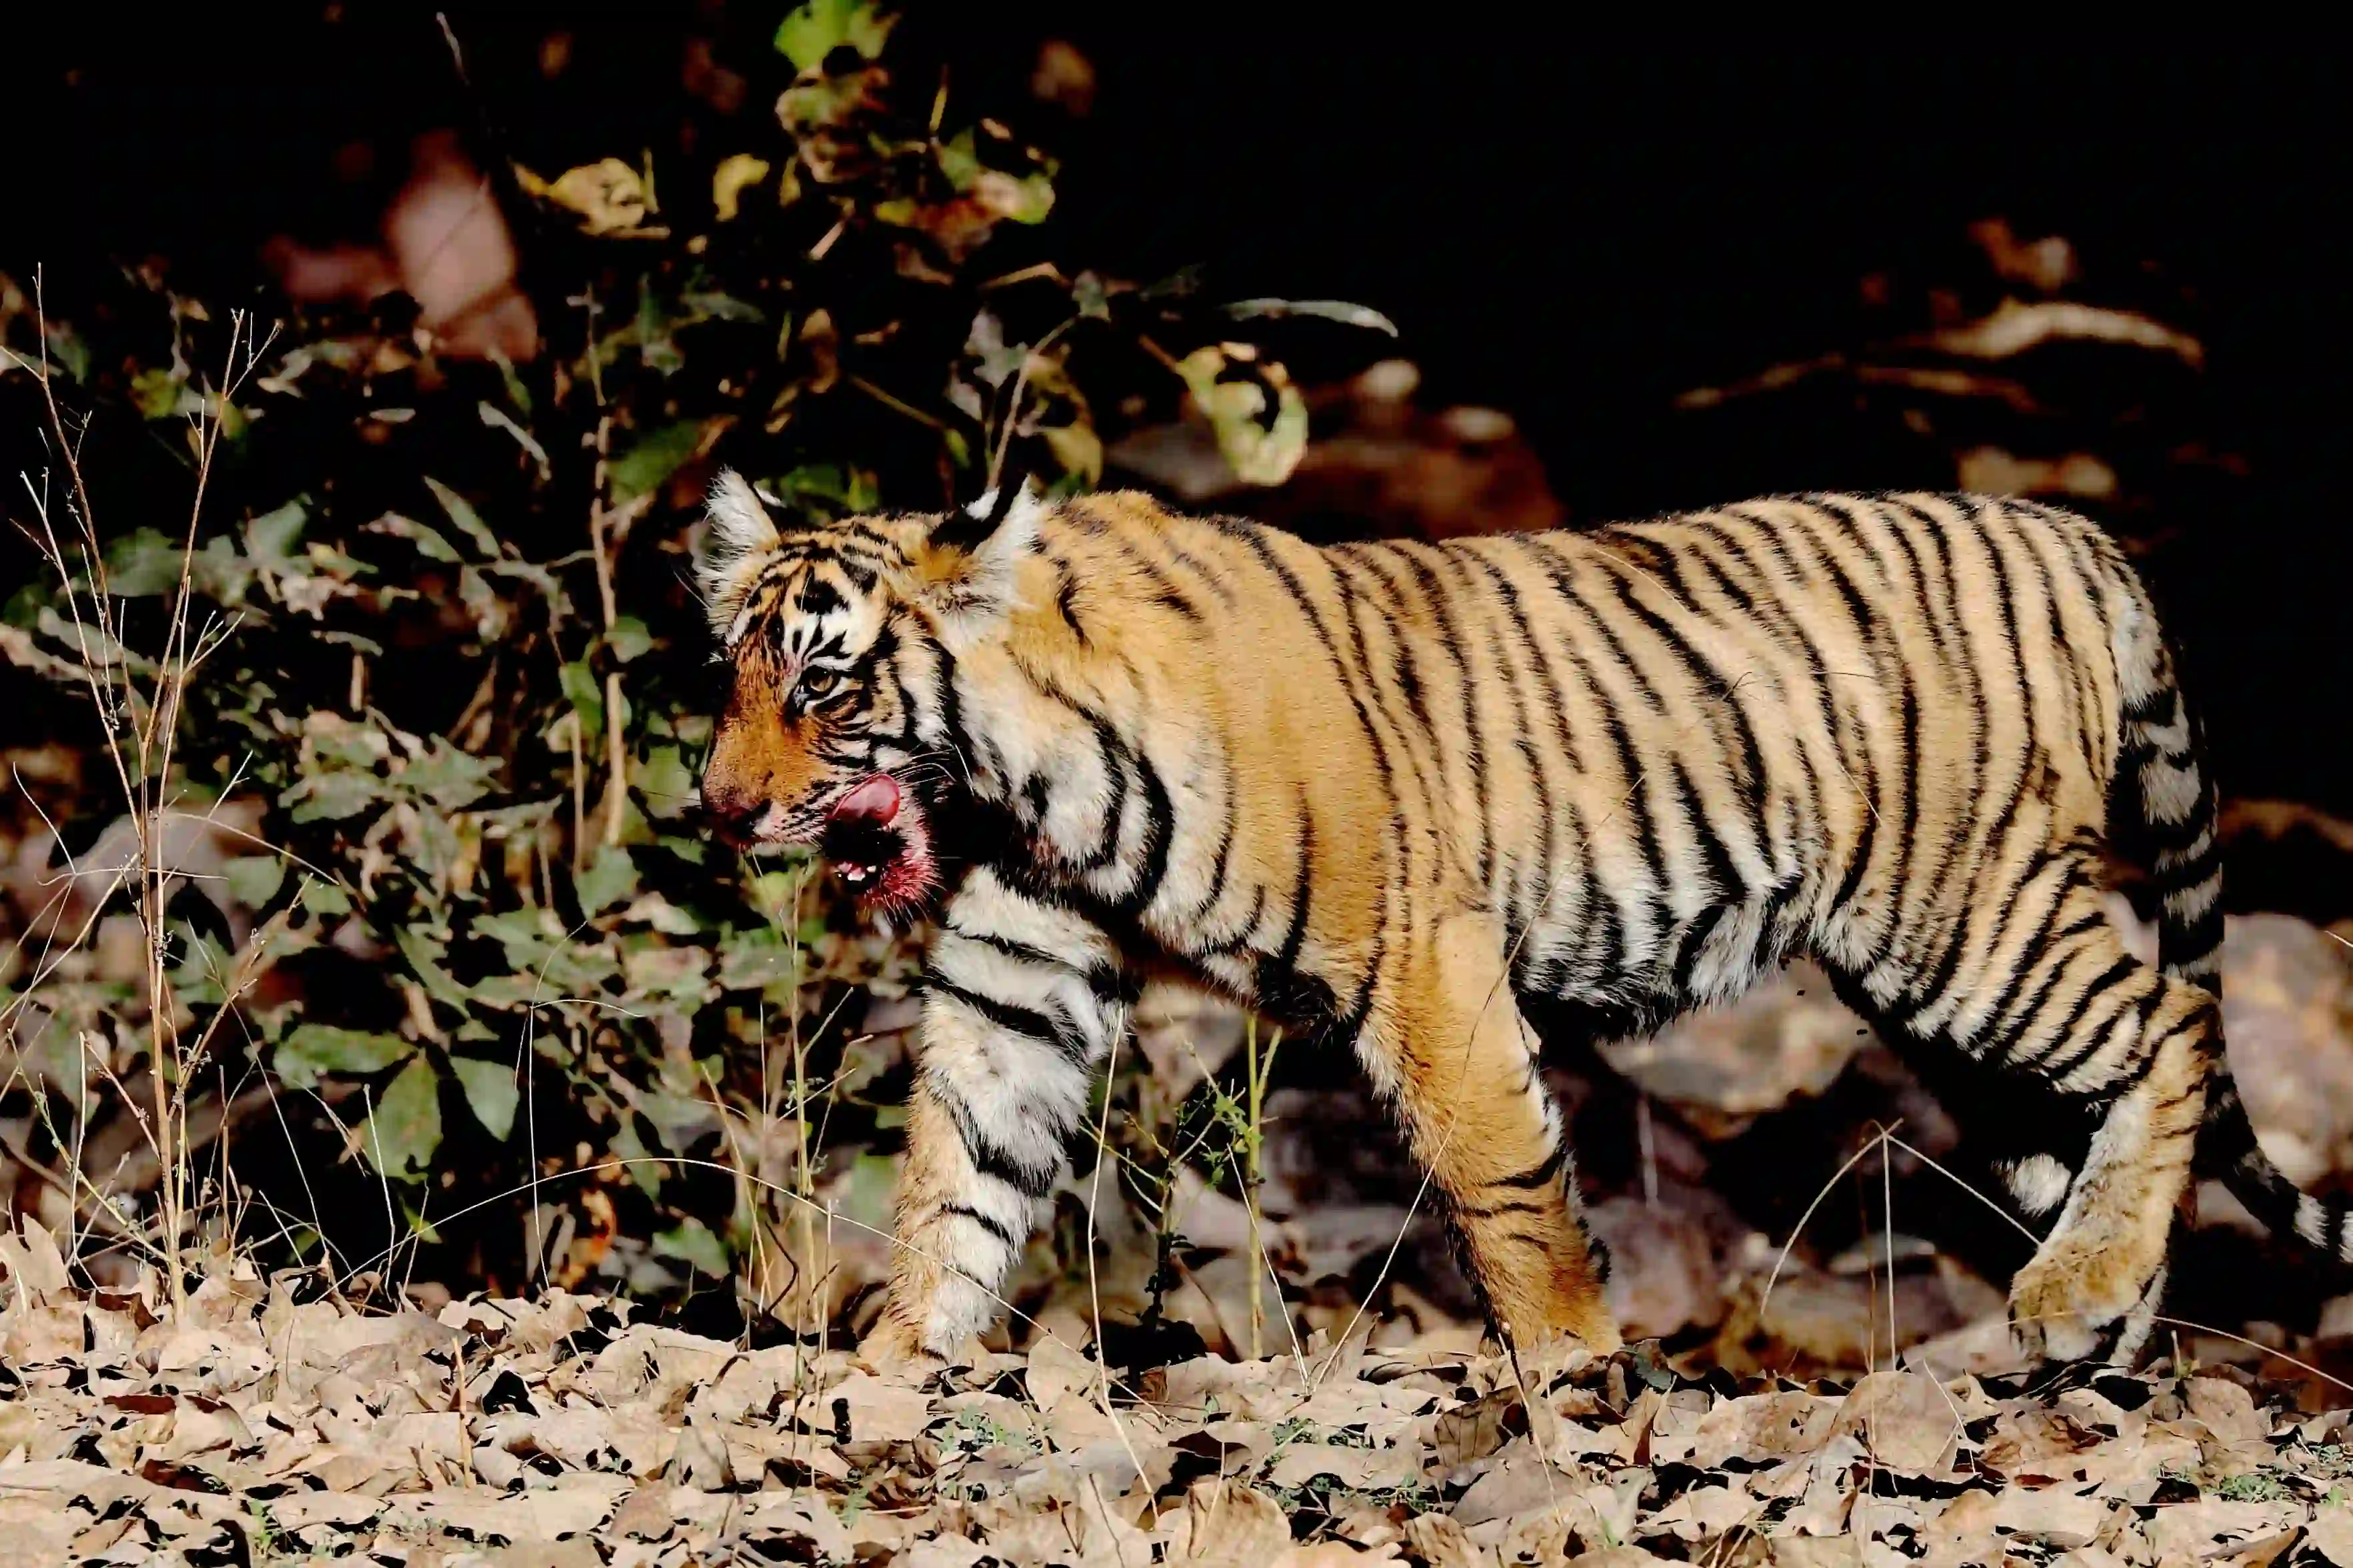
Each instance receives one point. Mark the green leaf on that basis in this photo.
(470, 522)
(331, 797)
(693, 851)
(254, 880)
(608, 880)
(219, 573)
(559, 602)
(405, 1127)
(817, 103)
(691, 1241)
(709, 304)
(483, 602)
(545, 961)
(959, 160)
(873, 1180)
(588, 698)
(269, 539)
(428, 540)
(66, 347)
(1033, 197)
(629, 639)
(324, 898)
(814, 30)
(313, 1049)
(142, 563)
(451, 778)
(665, 781)
(1257, 414)
(425, 955)
(198, 979)
(517, 392)
(156, 393)
(636, 1159)
(24, 607)
(1339, 311)
(656, 455)
(414, 1226)
(491, 1093)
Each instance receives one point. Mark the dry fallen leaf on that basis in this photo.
(1223, 1524)
(442, 1437)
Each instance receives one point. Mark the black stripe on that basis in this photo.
(1787, 629)
(1223, 860)
(1242, 933)
(1477, 610)
(2012, 1014)
(995, 1226)
(1542, 1173)
(1939, 590)
(1694, 938)
(1043, 1029)
(1294, 935)
(986, 1157)
(1515, 680)
(1198, 567)
(2067, 1030)
(1723, 878)
(1449, 642)
(1106, 981)
(1066, 604)
(1395, 614)
(1164, 589)
(1610, 944)
(1888, 652)
(1549, 549)
(2187, 944)
(1256, 540)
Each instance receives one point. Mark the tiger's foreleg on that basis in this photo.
(1462, 1066)
(1022, 1002)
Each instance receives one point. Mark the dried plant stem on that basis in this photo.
(579, 793)
(599, 548)
(141, 732)
(617, 795)
(1253, 1174)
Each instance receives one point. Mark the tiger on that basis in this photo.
(1434, 803)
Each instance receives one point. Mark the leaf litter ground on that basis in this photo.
(263, 1427)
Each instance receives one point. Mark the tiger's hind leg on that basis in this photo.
(1451, 1048)
(2098, 1276)
(2048, 991)
(2031, 1142)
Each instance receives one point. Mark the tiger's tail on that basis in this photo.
(2166, 798)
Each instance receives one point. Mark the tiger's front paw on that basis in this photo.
(2071, 1302)
(1590, 1329)
(895, 1349)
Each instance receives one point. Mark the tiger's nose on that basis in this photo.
(734, 815)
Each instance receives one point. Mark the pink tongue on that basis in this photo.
(877, 799)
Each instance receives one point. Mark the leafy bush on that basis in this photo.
(388, 939)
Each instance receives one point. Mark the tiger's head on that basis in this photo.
(833, 736)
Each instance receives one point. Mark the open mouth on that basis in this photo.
(876, 839)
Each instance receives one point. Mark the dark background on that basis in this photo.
(1570, 227)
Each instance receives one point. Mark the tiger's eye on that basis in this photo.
(819, 682)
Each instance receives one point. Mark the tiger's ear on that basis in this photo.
(967, 568)
(741, 533)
